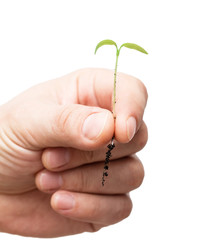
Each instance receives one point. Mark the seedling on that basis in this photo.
(127, 45)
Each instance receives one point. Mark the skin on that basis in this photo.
(53, 141)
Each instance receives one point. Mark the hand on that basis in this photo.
(53, 141)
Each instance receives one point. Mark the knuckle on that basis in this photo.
(137, 173)
(145, 92)
(93, 211)
(126, 208)
(89, 156)
(94, 227)
(142, 88)
(80, 180)
(74, 180)
(142, 139)
(81, 183)
(62, 120)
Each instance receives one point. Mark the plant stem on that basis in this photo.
(114, 87)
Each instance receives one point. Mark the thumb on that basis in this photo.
(73, 125)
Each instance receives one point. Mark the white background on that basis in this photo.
(181, 197)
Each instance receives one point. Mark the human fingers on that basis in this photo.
(96, 209)
(53, 113)
(52, 125)
(60, 159)
(130, 100)
(125, 175)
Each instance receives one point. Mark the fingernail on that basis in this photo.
(50, 181)
(64, 201)
(131, 127)
(94, 125)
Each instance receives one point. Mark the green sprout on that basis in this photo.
(127, 45)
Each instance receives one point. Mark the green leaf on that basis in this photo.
(134, 46)
(105, 42)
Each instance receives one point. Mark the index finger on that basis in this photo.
(95, 86)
